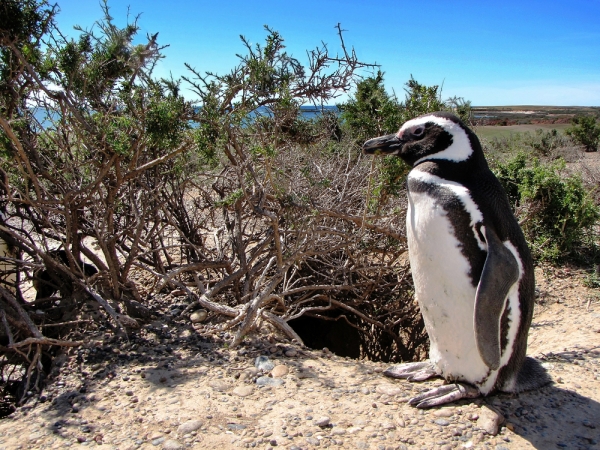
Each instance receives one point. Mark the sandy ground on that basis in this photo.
(169, 386)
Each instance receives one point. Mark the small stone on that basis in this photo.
(158, 441)
(312, 441)
(444, 412)
(268, 381)
(243, 391)
(280, 371)
(198, 316)
(218, 385)
(189, 426)
(388, 426)
(388, 389)
(172, 444)
(263, 363)
(291, 353)
(489, 420)
(322, 421)
(359, 422)
(441, 422)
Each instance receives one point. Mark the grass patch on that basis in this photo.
(496, 131)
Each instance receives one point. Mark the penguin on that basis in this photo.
(47, 281)
(471, 266)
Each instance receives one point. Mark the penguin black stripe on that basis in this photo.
(460, 220)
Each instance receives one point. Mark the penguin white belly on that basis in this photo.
(444, 291)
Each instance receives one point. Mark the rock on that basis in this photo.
(263, 363)
(291, 353)
(322, 421)
(172, 444)
(359, 422)
(158, 441)
(268, 381)
(198, 316)
(389, 389)
(136, 309)
(489, 420)
(243, 391)
(218, 385)
(388, 426)
(444, 412)
(189, 426)
(441, 422)
(280, 371)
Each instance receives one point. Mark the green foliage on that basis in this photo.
(586, 132)
(421, 99)
(555, 209)
(372, 111)
(541, 143)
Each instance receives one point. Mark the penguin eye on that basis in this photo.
(418, 132)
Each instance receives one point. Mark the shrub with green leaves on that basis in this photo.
(586, 132)
(555, 209)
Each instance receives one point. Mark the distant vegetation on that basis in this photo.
(254, 213)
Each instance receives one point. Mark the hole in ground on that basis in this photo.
(337, 335)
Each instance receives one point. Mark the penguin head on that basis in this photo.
(434, 136)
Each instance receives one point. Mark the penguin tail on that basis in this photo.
(531, 376)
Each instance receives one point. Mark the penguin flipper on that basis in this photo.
(500, 272)
(444, 394)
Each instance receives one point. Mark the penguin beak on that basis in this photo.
(383, 145)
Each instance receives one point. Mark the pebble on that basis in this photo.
(291, 353)
(441, 422)
(158, 441)
(263, 363)
(189, 426)
(198, 316)
(172, 444)
(359, 422)
(322, 421)
(444, 412)
(389, 389)
(280, 371)
(268, 381)
(243, 391)
(218, 385)
(489, 420)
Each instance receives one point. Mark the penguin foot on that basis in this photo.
(418, 371)
(444, 394)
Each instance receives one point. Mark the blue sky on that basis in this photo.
(525, 52)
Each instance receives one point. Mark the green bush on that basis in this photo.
(541, 143)
(555, 209)
(585, 131)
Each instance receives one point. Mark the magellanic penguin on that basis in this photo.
(471, 267)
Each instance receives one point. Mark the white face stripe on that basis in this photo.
(460, 150)
(457, 189)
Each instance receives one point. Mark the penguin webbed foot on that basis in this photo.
(418, 371)
(444, 394)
